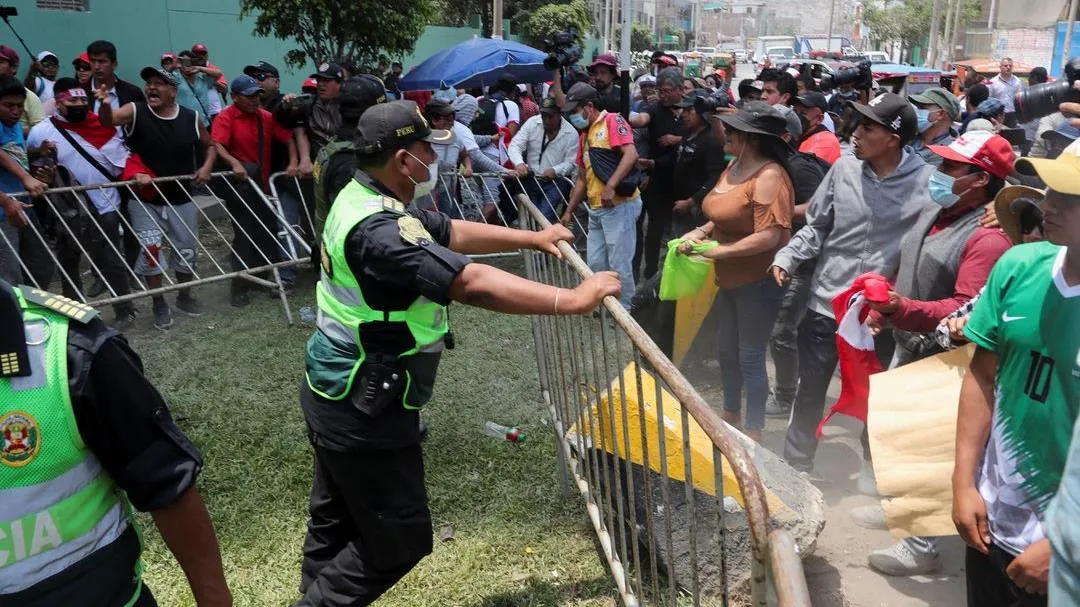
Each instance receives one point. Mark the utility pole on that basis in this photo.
(935, 21)
(497, 19)
(828, 39)
(1067, 46)
(991, 18)
(946, 38)
(624, 46)
(955, 41)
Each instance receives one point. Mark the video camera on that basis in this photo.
(563, 50)
(859, 77)
(1043, 99)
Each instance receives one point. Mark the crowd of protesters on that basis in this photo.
(946, 197)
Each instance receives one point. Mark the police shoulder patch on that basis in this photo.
(20, 439)
(59, 304)
(412, 231)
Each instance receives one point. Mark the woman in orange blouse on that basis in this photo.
(749, 212)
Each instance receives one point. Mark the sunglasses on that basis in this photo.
(82, 67)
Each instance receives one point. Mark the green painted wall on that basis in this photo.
(144, 29)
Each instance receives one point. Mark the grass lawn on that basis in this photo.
(231, 378)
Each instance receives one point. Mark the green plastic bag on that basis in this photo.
(684, 275)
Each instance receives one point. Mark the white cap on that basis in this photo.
(43, 54)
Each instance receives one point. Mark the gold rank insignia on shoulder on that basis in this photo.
(412, 231)
(59, 304)
(391, 204)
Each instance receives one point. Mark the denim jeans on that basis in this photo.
(746, 316)
(547, 195)
(612, 237)
(785, 353)
(290, 210)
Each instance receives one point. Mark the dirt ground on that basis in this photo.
(837, 572)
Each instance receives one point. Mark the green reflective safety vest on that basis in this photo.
(58, 506)
(335, 351)
(322, 202)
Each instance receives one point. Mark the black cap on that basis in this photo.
(892, 112)
(813, 99)
(359, 93)
(261, 67)
(691, 98)
(757, 117)
(549, 106)
(438, 107)
(329, 71)
(581, 92)
(388, 127)
(149, 72)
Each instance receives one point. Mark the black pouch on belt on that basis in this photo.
(382, 380)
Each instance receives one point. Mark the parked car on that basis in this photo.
(742, 55)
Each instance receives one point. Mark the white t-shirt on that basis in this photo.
(44, 88)
(462, 132)
(112, 156)
(506, 112)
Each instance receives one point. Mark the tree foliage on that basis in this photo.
(909, 20)
(360, 30)
(460, 13)
(550, 19)
(641, 38)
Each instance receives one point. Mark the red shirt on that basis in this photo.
(239, 134)
(822, 144)
(980, 254)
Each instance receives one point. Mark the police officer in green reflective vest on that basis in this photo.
(84, 437)
(388, 272)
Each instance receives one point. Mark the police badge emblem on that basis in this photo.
(412, 231)
(20, 439)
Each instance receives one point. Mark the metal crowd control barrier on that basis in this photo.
(473, 198)
(645, 451)
(79, 229)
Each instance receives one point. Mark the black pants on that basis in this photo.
(369, 524)
(254, 226)
(989, 586)
(658, 207)
(817, 362)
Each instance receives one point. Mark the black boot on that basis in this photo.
(184, 301)
(238, 296)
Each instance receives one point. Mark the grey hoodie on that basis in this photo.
(855, 223)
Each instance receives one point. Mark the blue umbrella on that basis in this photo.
(477, 62)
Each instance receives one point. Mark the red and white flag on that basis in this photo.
(855, 349)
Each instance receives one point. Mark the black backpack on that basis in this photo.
(484, 121)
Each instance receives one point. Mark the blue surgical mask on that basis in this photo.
(923, 118)
(941, 189)
(579, 121)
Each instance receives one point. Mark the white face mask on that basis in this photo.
(428, 185)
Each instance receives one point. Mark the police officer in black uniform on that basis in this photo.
(388, 271)
(83, 434)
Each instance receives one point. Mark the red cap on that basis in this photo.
(84, 58)
(666, 60)
(310, 83)
(9, 54)
(607, 59)
(199, 48)
(168, 56)
(988, 151)
(721, 74)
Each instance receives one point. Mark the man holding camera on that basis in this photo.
(602, 72)
(196, 80)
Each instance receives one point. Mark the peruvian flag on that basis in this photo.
(855, 349)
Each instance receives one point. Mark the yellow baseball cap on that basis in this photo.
(1061, 174)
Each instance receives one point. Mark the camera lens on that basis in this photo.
(1043, 99)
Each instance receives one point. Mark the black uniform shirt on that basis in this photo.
(662, 122)
(392, 273)
(124, 421)
(337, 173)
(700, 161)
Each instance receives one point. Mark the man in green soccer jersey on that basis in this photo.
(1019, 400)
